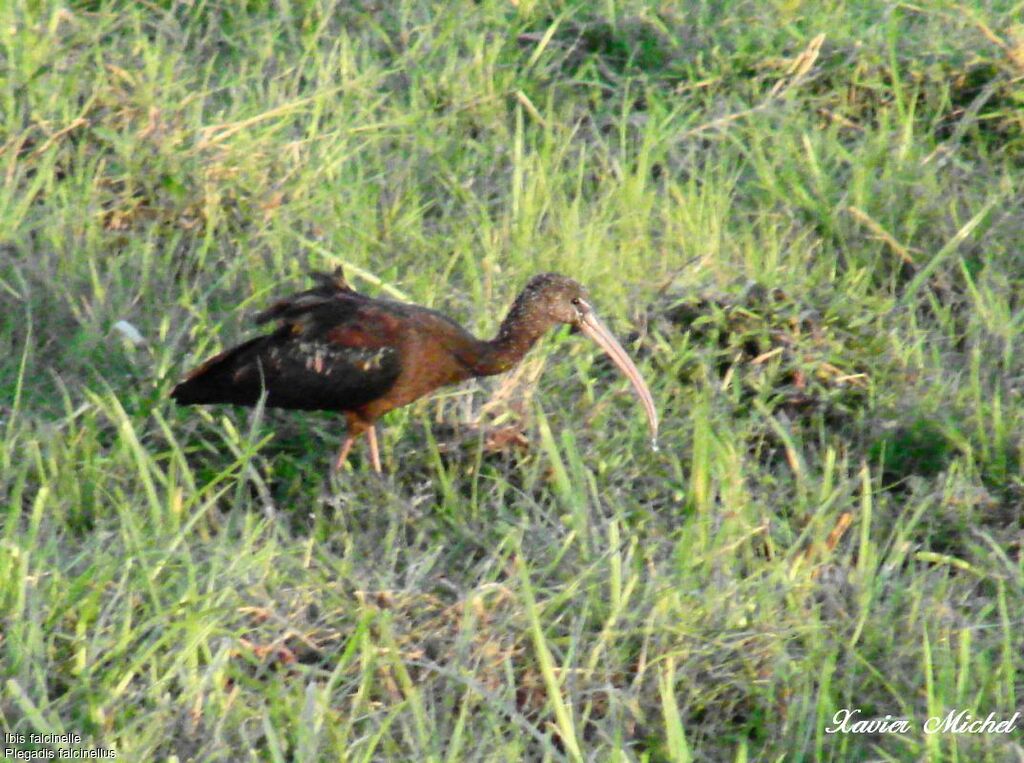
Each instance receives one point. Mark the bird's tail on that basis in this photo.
(223, 378)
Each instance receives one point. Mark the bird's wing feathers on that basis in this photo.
(334, 349)
(336, 353)
(329, 286)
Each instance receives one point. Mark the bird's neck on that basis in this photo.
(519, 331)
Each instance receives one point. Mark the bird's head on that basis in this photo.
(550, 298)
(556, 298)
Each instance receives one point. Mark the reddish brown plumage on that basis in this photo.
(336, 349)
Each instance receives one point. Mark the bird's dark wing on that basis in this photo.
(334, 350)
(328, 287)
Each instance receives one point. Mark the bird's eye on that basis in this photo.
(576, 301)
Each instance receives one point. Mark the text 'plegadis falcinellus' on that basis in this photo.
(338, 350)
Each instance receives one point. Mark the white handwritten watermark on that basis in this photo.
(847, 721)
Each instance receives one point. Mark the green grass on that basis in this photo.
(814, 246)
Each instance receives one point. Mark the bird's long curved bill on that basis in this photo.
(596, 330)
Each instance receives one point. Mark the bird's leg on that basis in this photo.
(343, 453)
(371, 435)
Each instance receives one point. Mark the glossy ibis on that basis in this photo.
(338, 350)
